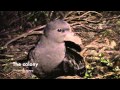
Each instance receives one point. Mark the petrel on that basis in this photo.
(54, 54)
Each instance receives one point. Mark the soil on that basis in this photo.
(100, 44)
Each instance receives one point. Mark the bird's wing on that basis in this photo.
(73, 45)
(72, 54)
(76, 60)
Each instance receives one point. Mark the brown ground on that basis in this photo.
(99, 33)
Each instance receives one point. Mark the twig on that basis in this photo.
(23, 56)
(106, 75)
(19, 18)
(68, 14)
(6, 55)
(113, 17)
(82, 16)
(32, 31)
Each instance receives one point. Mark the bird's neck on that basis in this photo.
(47, 41)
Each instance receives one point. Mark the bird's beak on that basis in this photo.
(73, 38)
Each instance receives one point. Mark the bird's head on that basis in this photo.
(57, 30)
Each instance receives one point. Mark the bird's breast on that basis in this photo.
(56, 54)
(50, 56)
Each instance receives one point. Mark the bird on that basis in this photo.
(51, 52)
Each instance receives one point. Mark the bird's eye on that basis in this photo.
(59, 30)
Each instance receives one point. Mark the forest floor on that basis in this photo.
(99, 33)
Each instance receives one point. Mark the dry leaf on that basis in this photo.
(113, 44)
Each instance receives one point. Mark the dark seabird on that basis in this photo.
(55, 56)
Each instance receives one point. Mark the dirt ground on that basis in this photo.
(99, 33)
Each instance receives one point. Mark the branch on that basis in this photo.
(83, 15)
(32, 31)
